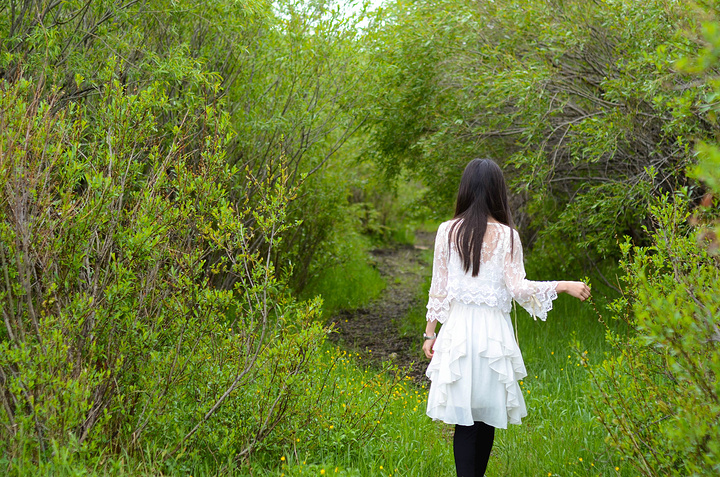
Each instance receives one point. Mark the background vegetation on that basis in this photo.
(188, 190)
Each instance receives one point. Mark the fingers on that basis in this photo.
(427, 349)
(583, 291)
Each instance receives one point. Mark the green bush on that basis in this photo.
(114, 335)
(657, 396)
(579, 101)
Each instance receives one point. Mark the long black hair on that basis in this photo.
(482, 195)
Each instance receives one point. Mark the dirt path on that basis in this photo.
(373, 330)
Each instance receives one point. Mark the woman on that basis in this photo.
(475, 361)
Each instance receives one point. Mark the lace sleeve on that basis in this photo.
(535, 297)
(438, 304)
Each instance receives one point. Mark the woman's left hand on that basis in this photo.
(428, 348)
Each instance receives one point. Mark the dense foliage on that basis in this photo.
(149, 152)
(658, 396)
(111, 321)
(580, 101)
(175, 176)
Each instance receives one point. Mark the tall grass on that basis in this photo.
(402, 441)
(365, 421)
(348, 280)
(560, 436)
(357, 419)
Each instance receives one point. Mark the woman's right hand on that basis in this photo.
(577, 289)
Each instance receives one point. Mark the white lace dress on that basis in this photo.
(477, 363)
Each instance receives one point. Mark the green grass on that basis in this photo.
(353, 419)
(560, 436)
(356, 420)
(349, 281)
(371, 423)
(368, 423)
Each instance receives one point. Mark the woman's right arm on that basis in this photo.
(577, 289)
(428, 343)
(536, 297)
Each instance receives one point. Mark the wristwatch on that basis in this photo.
(426, 337)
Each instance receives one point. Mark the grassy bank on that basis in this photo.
(560, 436)
(353, 418)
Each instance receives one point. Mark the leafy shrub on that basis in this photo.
(114, 335)
(580, 101)
(658, 396)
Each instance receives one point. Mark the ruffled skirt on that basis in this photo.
(475, 369)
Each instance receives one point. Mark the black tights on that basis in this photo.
(471, 446)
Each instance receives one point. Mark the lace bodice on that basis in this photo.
(500, 280)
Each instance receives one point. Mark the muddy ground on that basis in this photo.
(374, 330)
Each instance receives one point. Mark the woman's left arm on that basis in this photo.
(438, 305)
